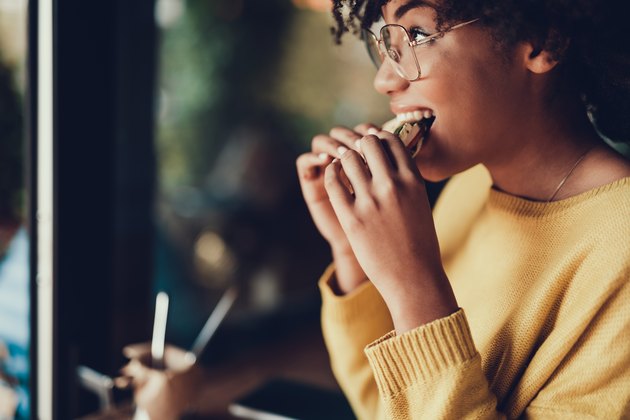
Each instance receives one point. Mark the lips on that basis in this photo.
(412, 124)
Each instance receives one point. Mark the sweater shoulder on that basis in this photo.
(462, 199)
(605, 217)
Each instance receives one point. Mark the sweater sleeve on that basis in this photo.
(433, 371)
(581, 370)
(349, 323)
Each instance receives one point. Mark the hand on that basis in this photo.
(310, 168)
(388, 222)
(8, 396)
(8, 401)
(163, 394)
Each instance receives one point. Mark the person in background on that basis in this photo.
(8, 397)
(510, 298)
(14, 255)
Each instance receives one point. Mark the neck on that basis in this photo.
(547, 149)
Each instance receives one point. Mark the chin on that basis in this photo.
(432, 172)
(438, 163)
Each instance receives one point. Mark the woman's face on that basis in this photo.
(477, 97)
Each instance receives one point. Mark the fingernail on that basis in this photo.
(372, 130)
(323, 156)
(341, 150)
(335, 160)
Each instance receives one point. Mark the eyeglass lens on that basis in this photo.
(395, 43)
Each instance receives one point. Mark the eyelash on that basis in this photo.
(418, 34)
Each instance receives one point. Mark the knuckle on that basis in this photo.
(330, 177)
(411, 175)
(329, 184)
(371, 139)
(368, 205)
(349, 155)
(353, 224)
(389, 189)
(301, 160)
(336, 131)
(317, 140)
(363, 127)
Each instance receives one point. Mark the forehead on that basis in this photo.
(394, 10)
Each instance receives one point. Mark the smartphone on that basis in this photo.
(281, 399)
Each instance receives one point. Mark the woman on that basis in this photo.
(511, 298)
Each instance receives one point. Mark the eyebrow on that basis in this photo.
(413, 4)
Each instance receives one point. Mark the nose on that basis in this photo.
(387, 80)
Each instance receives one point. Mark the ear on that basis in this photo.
(536, 60)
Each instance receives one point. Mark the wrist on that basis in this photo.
(348, 273)
(426, 302)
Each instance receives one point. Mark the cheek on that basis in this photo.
(471, 97)
(468, 101)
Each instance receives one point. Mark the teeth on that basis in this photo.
(414, 116)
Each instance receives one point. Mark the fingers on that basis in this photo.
(337, 142)
(385, 155)
(323, 149)
(327, 144)
(135, 351)
(397, 150)
(356, 172)
(346, 137)
(137, 372)
(383, 152)
(376, 156)
(123, 382)
(309, 165)
(340, 197)
(367, 128)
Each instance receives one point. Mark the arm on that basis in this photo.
(582, 370)
(433, 372)
(349, 323)
(310, 167)
(429, 367)
(348, 298)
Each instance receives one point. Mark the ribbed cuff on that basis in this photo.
(419, 354)
(364, 300)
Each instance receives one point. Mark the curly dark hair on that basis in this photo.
(590, 38)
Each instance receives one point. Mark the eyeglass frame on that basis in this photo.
(384, 53)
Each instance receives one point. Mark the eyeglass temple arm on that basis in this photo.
(441, 33)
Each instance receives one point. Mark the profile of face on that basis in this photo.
(479, 99)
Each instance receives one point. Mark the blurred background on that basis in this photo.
(242, 87)
(14, 250)
(176, 128)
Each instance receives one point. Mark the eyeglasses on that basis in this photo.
(396, 44)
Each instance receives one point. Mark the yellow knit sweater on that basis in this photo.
(544, 329)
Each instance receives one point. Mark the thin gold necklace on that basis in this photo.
(561, 184)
